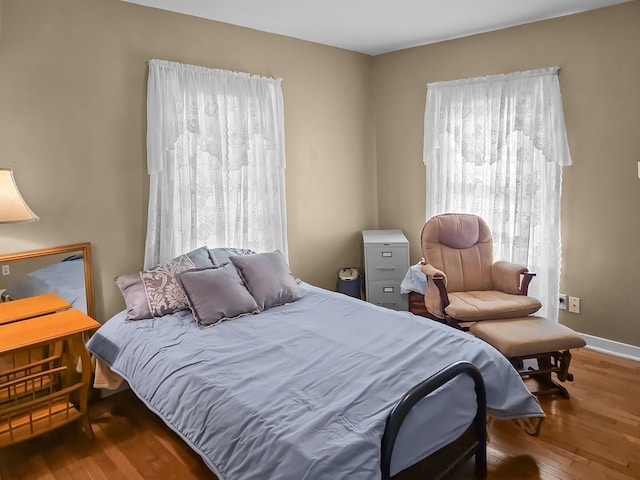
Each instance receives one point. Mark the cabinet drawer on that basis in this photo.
(385, 263)
(387, 294)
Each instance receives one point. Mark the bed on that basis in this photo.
(66, 279)
(304, 389)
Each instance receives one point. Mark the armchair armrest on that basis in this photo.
(436, 298)
(432, 272)
(511, 278)
(526, 280)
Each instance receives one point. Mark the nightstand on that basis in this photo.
(39, 388)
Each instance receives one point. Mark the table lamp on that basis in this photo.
(13, 208)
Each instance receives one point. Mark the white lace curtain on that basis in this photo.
(216, 160)
(495, 146)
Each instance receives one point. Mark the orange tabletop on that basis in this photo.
(30, 307)
(45, 329)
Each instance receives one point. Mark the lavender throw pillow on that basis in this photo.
(217, 294)
(220, 255)
(268, 278)
(135, 296)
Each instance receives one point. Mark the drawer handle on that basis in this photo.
(388, 289)
(388, 305)
(386, 269)
(387, 254)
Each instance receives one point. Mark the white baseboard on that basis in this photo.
(612, 347)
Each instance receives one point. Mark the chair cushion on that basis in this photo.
(489, 305)
(527, 336)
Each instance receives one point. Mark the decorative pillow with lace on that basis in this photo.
(164, 291)
(158, 292)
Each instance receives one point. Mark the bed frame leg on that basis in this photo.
(481, 449)
(481, 462)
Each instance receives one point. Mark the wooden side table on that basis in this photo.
(24, 308)
(39, 388)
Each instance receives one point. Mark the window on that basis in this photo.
(495, 146)
(215, 156)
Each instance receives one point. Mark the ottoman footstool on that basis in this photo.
(532, 337)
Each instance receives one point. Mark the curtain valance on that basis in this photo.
(481, 115)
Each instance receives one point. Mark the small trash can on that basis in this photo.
(350, 282)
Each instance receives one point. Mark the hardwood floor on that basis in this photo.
(594, 435)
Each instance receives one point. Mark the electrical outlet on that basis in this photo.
(574, 304)
(562, 301)
(6, 270)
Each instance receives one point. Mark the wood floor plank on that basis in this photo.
(593, 436)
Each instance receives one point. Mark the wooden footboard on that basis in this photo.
(441, 463)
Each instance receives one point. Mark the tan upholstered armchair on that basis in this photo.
(463, 282)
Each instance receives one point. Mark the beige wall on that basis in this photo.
(72, 126)
(599, 56)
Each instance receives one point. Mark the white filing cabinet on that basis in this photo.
(386, 262)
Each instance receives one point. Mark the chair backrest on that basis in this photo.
(461, 246)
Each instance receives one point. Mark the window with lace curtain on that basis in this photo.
(216, 160)
(495, 146)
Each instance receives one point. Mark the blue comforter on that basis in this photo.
(302, 391)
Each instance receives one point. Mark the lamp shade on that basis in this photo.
(13, 208)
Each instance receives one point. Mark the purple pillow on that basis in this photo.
(268, 278)
(135, 296)
(220, 256)
(217, 294)
(157, 292)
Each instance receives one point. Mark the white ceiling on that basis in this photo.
(377, 26)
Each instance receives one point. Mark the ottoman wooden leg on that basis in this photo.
(548, 364)
(565, 361)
